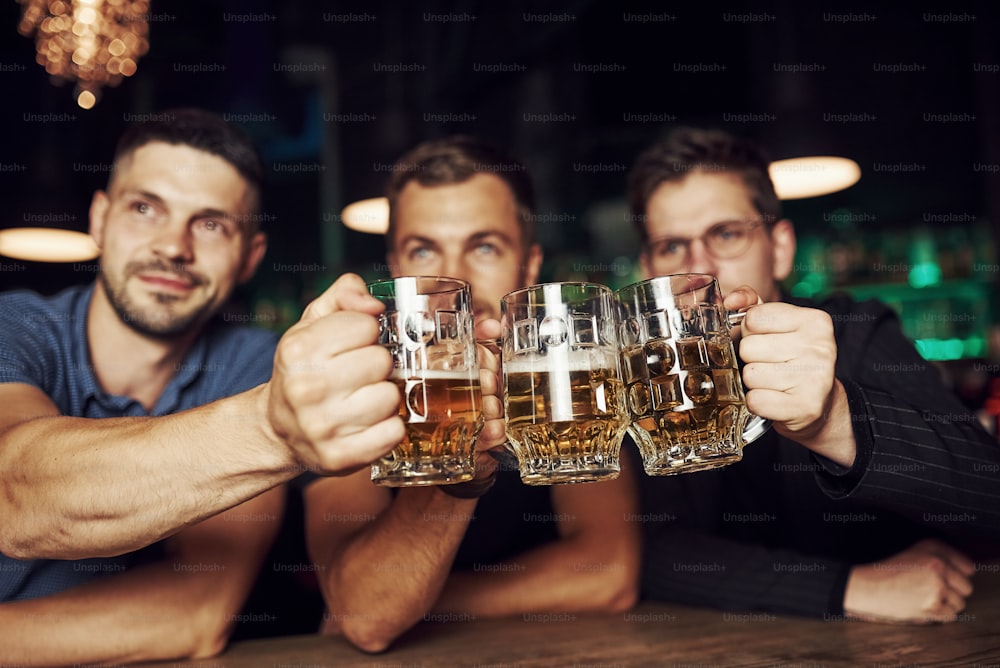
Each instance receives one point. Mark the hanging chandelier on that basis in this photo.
(93, 43)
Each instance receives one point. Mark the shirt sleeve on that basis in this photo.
(26, 342)
(921, 453)
(691, 567)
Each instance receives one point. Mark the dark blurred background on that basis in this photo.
(335, 91)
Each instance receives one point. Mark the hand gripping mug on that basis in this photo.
(427, 327)
(685, 396)
(562, 390)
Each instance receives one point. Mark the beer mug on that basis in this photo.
(427, 327)
(562, 390)
(683, 385)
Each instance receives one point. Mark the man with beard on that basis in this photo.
(130, 414)
(460, 208)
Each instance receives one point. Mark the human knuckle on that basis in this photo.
(936, 565)
(330, 459)
(819, 321)
(305, 392)
(380, 359)
(385, 393)
(292, 348)
(310, 311)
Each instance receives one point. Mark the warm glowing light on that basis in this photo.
(86, 99)
(93, 43)
(796, 178)
(43, 244)
(367, 215)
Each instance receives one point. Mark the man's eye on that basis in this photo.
(729, 233)
(671, 247)
(142, 208)
(419, 253)
(487, 248)
(213, 228)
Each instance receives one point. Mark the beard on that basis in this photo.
(165, 321)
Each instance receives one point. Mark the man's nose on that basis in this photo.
(455, 266)
(174, 242)
(700, 261)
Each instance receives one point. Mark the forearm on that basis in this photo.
(383, 580)
(694, 568)
(74, 487)
(147, 614)
(567, 575)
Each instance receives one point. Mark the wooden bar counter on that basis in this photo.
(661, 635)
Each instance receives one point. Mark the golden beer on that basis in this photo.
(565, 424)
(443, 415)
(688, 407)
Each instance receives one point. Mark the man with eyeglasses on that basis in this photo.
(866, 499)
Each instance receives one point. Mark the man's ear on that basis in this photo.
(256, 247)
(783, 247)
(533, 264)
(99, 205)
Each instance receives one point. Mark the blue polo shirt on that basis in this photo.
(43, 342)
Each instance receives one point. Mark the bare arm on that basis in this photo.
(382, 561)
(75, 487)
(182, 607)
(592, 566)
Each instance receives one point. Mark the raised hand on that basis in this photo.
(329, 397)
(789, 354)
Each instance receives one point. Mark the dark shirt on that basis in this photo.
(508, 520)
(780, 530)
(512, 518)
(43, 342)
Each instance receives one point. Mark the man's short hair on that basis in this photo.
(203, 130)
(687, 150)
(456, 159)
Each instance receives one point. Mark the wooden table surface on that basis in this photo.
(660, 635)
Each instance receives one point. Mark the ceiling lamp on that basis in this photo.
(94, 43)
(796, 178)
(44, 244)
(367, 215)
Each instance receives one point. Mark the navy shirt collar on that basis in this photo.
(185, 372)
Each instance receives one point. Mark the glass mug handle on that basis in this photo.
(503, 453)
(756, 426)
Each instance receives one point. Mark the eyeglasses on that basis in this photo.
(723, 241)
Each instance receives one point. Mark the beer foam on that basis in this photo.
(434, 374)
(582, 361)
